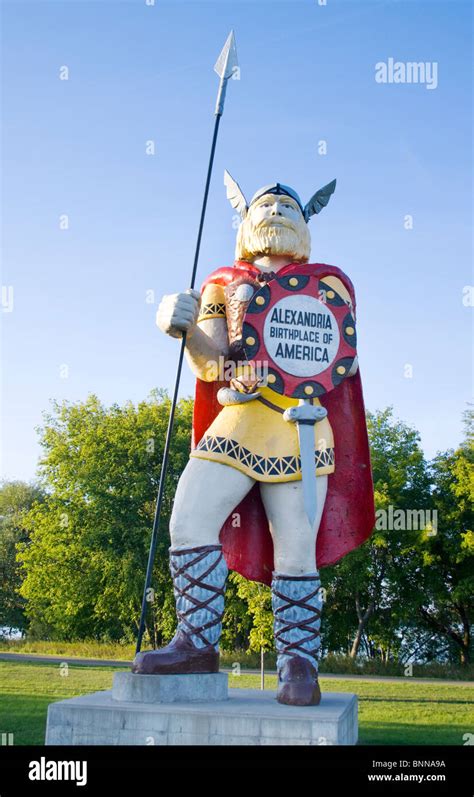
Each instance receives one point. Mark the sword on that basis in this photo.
(305, 415)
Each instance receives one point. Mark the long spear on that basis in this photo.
(224, 67)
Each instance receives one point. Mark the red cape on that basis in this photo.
(349, 512)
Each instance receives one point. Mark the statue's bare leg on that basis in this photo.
(207, 493)
(296, 593)
(294, 542)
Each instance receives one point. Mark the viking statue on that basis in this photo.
(241, 501)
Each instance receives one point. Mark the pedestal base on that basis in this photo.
(247, 717)
(129, 687)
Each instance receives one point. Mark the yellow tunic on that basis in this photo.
(253, 437)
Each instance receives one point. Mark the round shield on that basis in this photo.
(301, 333)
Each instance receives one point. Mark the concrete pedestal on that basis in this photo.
(129, 687)
(205, 715)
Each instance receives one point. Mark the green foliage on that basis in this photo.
(361, 610)
(16, 499)
(444, 585)
(237, 621)
(85, 562)
(407, 591)
(258, 599)
(437, 578)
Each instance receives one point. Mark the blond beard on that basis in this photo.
(263, 240)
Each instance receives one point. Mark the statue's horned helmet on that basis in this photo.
(317, 202)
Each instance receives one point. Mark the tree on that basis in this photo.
(85, 562)
(237, 621)
(16, 499)
(258, 598)
(445, 578)
(360, 588)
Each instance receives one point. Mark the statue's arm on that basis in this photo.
(205, 327)
(204, 345)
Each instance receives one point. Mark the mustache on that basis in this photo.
(278, 222)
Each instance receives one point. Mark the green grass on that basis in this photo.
(389, 713)
(331, 663)
(81, 650)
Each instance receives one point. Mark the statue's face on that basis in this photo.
(274, 210)
(274, 225)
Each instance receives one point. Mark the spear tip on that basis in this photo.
(227, 60)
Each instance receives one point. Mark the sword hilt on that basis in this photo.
(305, 414)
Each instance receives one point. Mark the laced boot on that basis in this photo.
(297, 606)
(199, 576)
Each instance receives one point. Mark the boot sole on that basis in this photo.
(299, 694)
(151, 665)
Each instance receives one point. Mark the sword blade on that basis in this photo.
(308, 471)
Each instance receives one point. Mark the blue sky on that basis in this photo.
(142, 72)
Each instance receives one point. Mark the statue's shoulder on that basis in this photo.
(221, 276)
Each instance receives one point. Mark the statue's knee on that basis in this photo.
(296, 562)
(181, 532)
(189, 528)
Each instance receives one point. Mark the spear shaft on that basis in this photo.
(224, 67)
